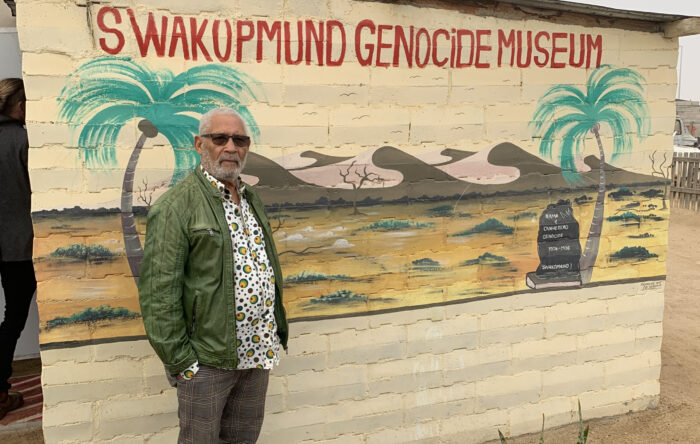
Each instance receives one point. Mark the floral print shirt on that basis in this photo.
(256, 330)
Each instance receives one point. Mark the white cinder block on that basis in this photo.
(386, 403)
(649, 330)
(607, 337)
(69, 373)
(308, 344)
(503, 319)
(137, 406)
(418, 432)
(584, 309)
(72, 412)
(385, 334)
(326, 378)
(304, 416)
(543, 347)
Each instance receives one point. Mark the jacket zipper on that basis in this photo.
(211, 231)
(194, 316)
(214, 201)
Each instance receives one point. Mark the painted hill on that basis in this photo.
(420, 180)
(349, 173)
(508, 154)
(536, 174)
(321, 159)
(477, 169)
(413, 169)
(404, 177)
(455, 155)
(269, 173)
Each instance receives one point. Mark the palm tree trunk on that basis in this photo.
(132, 243)
(590, 252)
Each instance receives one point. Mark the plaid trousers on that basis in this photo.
(222, 406)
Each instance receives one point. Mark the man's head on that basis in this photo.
(222, 143)
(12, 99)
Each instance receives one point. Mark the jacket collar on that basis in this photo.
(213, 191)
(6, 120)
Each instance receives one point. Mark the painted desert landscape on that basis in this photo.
(429, 238)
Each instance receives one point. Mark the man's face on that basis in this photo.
(225, 162)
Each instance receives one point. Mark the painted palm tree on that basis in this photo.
(565, 116)
(105, 94)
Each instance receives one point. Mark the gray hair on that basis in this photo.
(205, 120)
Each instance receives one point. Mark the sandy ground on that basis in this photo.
(678, 415)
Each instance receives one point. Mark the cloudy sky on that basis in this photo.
(689, 55)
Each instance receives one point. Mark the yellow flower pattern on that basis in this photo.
(257, 342)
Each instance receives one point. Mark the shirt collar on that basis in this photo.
(216, 183)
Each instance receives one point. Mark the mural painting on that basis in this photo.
(366, 229)
(107, 93)
(609, 93)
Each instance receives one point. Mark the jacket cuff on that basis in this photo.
(176, 368)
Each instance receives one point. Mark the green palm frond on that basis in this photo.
(570, 148)
(565, 115)
(551, 110)
(99, 135)
(227, 87)
(93, 94)
(569, 89)
(105, 94)
(180, 130)
(633, 103)
(601, 80)
(556, 99)
(562, 126)
(622, 139)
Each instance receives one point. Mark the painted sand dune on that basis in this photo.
(394, 175)
(269, 173)
(477, 169)
(444, 157)
(354, 169)
(308, 159)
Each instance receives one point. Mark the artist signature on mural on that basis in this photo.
(650, 286)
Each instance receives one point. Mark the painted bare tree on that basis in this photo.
(662, 170)
(357, 176)
(146, 194)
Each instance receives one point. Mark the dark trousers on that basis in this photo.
(222, 406)
(19, 284)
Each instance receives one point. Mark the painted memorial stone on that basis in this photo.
(558, 248)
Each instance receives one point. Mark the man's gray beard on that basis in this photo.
(219, 172)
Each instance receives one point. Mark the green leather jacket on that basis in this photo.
(186, 286)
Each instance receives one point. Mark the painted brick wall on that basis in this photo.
(415, 327)
(436, 375)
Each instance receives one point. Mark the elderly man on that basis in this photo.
(211, 290)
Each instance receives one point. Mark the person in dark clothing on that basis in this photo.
(16, 232)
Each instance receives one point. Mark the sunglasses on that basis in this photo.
(222, 139)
